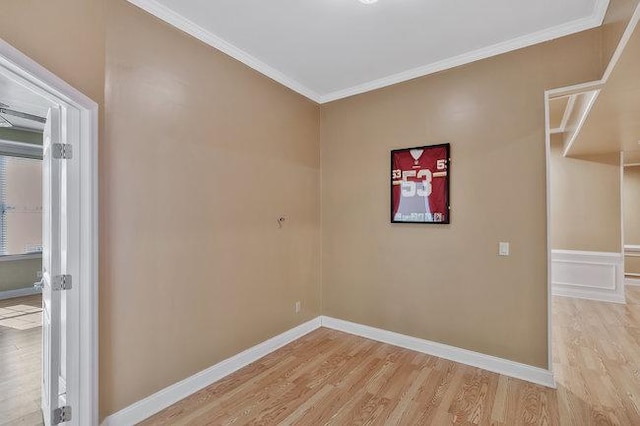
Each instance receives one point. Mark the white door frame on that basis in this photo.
(563, 91)
(81, 119)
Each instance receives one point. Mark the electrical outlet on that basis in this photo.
(503, 249)
(298, 307)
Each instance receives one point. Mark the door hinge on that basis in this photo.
(61, 282)
(61, 415)
(62, 151)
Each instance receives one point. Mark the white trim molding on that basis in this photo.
(81, 120)
(586, 101)
(547, 159)
(566, 115)
(182, 23)
(168, 396)
(494, 364)
(588, 275)
(622, 44)
(631, 248)
(20, 292)
(595, 20)
(632, 281)
(173, 18)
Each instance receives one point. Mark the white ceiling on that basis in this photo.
(330, 49)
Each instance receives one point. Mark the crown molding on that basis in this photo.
(169, 16)
(600, 11)
(582, 24)
(180, 22)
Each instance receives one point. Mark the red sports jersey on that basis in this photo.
(419, 182)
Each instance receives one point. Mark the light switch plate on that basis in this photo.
(503, 249)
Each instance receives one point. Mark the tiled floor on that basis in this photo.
(16, 314)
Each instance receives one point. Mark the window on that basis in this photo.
(20, 205)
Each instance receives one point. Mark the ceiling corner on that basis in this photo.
(166, 14)
(180, 22)
(600, 11)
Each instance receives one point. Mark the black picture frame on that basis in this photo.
(399, 169)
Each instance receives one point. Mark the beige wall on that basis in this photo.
(18, 274)
(202, 155)
(446, 283)
(631, 216)
(615, 23)
(199, 158)
(65, 36)
(632, 205)
(632, 265)
(585, 201)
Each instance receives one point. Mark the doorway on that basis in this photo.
(631, 224)
(70, 236)
(20, 255)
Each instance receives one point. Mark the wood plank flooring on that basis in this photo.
(332, 378)
(20, 360)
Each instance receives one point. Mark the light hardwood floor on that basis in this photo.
(20, 360)
(328, 377)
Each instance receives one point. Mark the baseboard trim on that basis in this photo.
(632, 281)
(168, 396)
(589, 295)
(588, 275)
(20, 292)
(152, 404)
(475, 359)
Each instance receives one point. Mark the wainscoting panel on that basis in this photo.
(588, 275)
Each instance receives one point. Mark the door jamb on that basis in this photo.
(82, 187)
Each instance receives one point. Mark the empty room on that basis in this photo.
(322, 213)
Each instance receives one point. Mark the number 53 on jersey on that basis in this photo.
(420, 184)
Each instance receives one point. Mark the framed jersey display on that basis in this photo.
(420, 184)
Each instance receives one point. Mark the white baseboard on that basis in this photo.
(588, 275)
(632, 281)
(152, 404)
(168, 396)
(9, 294)
(536, 375)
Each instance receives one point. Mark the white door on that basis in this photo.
(52, 249)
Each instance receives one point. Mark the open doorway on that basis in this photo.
(631, 219)
(593, 317)
(593, 313)
(52, 379)
(21, 130)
